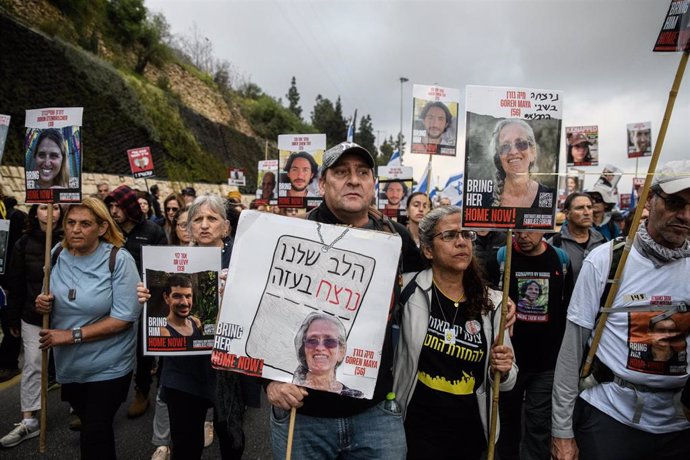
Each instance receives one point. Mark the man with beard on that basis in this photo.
(301, 170)
(437, 120)
(179, 297)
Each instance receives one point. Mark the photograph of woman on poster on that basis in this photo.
(515, 153)
(321, 343)
(578, 149)
(49, 160)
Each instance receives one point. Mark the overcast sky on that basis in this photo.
(597, 52)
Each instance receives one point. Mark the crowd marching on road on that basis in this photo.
(432, 396)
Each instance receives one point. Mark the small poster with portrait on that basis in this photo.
(395, 185)
(52, 159)
(180, 317)
(511, 158)
(4, 127)
(582, 145)
(675, 28)
(572, 181)
(267, 182)
(610, 176)
(4, 240)
(299, 158)
(658, 340)
(307, 303)
(140, 162)
(435, 120)
(236, 177)
(640, 139)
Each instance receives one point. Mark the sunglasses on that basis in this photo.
(453, 235)
(328, 342)
(172, 209)
(520, 144)
(673, 203)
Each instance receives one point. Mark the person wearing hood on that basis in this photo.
(124, 208)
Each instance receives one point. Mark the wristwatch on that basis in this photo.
(76, 335)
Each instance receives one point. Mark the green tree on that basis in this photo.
(293, 98)
(365, 135)
(328, 119)
(385, 151)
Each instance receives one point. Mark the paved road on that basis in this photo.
(133, 437)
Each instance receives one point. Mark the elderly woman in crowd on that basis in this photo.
(446, 357)
(94, 311)
(189, 384)
(25, 276)
(418, 206)
(50, 159)
(515, 153)
(321, 344)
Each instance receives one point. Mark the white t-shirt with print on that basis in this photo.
(629, 344)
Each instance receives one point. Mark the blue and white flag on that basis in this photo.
(351, 131)
(453, 189)
(396, 159)
(423, 184)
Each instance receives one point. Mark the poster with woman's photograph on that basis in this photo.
(582, 145)
(395, 186)
(640, 139)
(572, 181)
(511, 160)
(52, 159)
(299, 158)
(4, 127)
(180, 317)
(307, 303)
(435, 120)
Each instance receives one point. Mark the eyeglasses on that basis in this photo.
(520, 144)
(328, 342)
(452, 235)
(182, 225)
(673, 203)
(172, 209)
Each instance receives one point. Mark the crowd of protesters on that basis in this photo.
(636, 407)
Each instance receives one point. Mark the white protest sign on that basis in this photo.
(285, 271)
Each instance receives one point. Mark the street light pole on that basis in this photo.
(402, 80)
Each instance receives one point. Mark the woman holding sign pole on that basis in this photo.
(445, 359)
(189, 384)
(94, 311)
(515, 153)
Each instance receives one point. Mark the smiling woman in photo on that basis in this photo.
(515, 152)
(49, 158)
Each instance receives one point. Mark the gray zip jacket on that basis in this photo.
(413, 329)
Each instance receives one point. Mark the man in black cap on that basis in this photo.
(347, 185)
(138, 231)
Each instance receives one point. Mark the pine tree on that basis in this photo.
(293, 98)
(365, 135)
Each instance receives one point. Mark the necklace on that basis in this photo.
(72, 293)
(449, 334)
(455, 302)
(327, 247)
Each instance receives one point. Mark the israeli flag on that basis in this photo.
(423, 185)
(453, 189)
(351, 131)
(396, 159)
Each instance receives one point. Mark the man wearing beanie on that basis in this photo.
(138, 231)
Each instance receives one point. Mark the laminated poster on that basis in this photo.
(640, 139)
(511, 161)
(306, 303)
(582, 145)
(435, 120)
(675, 30)
(180, 317)
(236, 177)
(395, 186)
(267, 182)
(299, 158)
(53, 157)
(140, 162)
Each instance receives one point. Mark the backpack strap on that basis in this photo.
(565, 260)
(616, 251)
(111, 260)
(557, 240)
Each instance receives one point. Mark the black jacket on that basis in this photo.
(144, 233)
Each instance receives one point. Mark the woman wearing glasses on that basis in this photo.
(515, 153)
(321, 343)
(446, 357)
